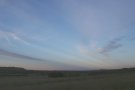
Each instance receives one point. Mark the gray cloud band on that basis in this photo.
(12, 54)
(112, 45)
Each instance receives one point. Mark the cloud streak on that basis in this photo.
(15, 37)
(16, 55)
(112, 45)
(55, 65)
(9, 36)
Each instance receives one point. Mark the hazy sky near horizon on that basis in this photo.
(67, 34)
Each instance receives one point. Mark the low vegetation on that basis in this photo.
(12, 78)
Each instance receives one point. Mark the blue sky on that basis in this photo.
(67, 34)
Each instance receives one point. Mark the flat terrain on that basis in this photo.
(104, 81)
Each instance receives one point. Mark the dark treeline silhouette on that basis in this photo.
(16, 71)
(12, 71)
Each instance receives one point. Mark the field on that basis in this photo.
(103, 80)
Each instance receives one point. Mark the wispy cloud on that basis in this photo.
(115, 44)
(9, 36)
(52, 64)
(17, 38)
(5, 36)
(16, 55)
(30, 22)
(112, 45)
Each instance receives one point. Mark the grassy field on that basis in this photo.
(103, 81)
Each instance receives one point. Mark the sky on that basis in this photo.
(67, 34)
